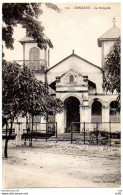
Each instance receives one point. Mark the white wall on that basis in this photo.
(40, 76)
(106, 47)
(85, 68)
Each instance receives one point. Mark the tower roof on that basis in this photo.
(26, 39)
(111, 34)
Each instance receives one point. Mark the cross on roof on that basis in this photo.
(114, 21)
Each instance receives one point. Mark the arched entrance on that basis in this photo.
(72, 113)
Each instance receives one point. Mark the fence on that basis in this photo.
(101, 133)
(40, 131)
(27, 132)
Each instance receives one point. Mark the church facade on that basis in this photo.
(77, 82)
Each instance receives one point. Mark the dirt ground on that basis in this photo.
(62, 164)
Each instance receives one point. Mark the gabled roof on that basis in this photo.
(73, 54)
(111, 34)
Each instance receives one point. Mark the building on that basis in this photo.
(77, 82)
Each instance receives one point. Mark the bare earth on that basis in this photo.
(62, 164)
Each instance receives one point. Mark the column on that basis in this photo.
(43, 125)
(105, 118)
(18, 132)
(81, 117)
(84, 116)
(60, 122)
(105, 114)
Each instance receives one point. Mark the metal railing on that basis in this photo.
(35, 65)
(30, 131)
(91, 133)
(99, 133)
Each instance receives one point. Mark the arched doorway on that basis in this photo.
(72, 113)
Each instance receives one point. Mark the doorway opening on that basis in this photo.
(72, 114)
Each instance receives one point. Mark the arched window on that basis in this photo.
(114, 114)
(96, 112)
(34, 57)
(34, 54)
(71, 79)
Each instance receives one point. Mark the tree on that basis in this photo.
(10, 103)
(24, 95)
(111, 72)
(10, 85)
(25, 14)
(34, 97)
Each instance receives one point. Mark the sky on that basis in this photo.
(77, 26)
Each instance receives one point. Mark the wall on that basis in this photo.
(40, 76)
(85, 68)
(106, 47)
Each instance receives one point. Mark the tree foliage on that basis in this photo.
(111, 76)
(23, 93)
(25, 14)
(9, 89)
(21, 90)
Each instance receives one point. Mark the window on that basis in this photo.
(34, 54)
(34, 57)
(71, 79)
(114, 114)
(96, 112)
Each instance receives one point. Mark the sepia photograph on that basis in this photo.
(61, 95)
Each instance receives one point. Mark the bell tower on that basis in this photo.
(34, 58)
(107, 40)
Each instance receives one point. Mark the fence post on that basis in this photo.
(56, 132)
(25, 141)
(46, 126)
(31, 132)
(97, 132)
(84, 132)
(110, 131)
(6, 129)
(71, 134)
(19, 134)
(36, 131)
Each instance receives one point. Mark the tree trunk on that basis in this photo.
(5, 150)
(7, 140)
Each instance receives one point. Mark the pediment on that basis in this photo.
(71, 77)
(70, 72)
